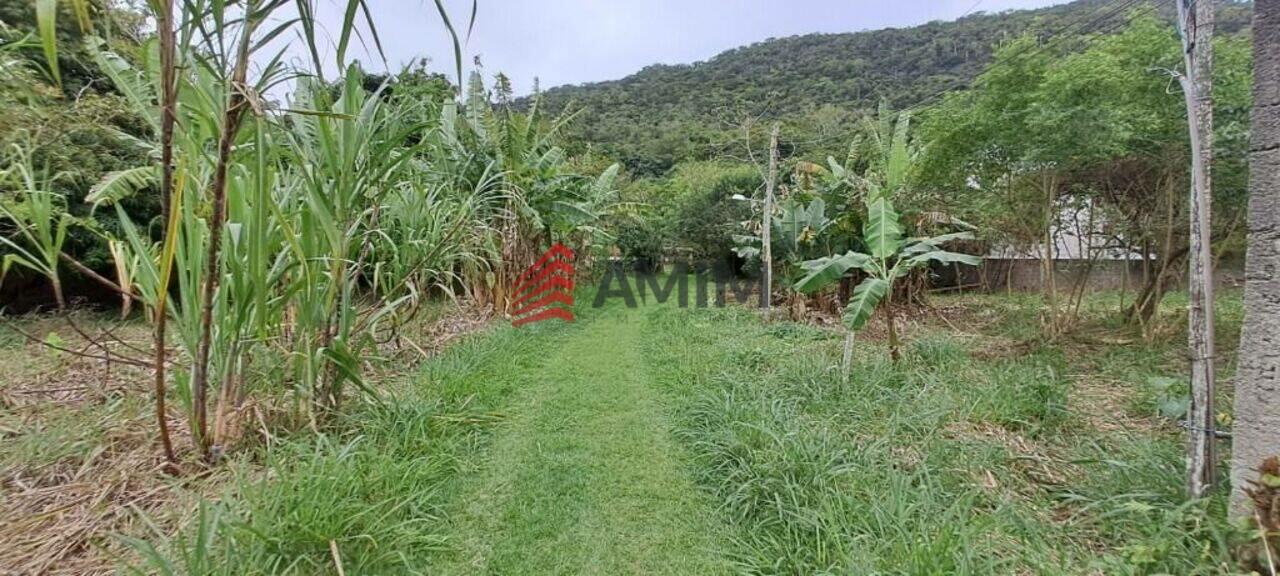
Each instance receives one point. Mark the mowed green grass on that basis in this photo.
(663, 440)
(540, 450)
(586, 477)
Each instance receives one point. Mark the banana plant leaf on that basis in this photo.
(866, 296)
(826, 271)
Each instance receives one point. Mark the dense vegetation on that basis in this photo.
(710, 442)
(816, 83)
(82, 127)
(283, 234)
(1079, 139)
(308, 230)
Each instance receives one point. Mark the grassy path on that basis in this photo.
(584, 477)
(667, 441)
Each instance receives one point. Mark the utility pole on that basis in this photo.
(1255, 433)
(1195, 26)
(766, 248)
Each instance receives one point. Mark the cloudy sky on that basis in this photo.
(574, 41)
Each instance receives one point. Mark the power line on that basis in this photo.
(1094, 33)
(971, 9)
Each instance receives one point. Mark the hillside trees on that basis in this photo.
(667, 114)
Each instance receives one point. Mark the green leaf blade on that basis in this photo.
(47, 23)
(826, 271)
(866, 296)
(882, 230)
(940, 256)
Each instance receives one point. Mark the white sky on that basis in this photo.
(575, 41)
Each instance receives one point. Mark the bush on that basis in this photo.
(706, 215)
(642, 241)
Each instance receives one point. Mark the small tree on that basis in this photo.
(891, 162)
(796, 229)
(889, 256)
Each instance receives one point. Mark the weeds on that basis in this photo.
(948, 463)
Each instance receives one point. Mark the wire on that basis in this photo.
(1080, 34)
(971, 9)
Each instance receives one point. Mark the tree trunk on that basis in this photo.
(1156, 282)
(168, 111)
(766, 240)
(236, 105)
(1148, 299)
(1256, 434)
(1195, 22)
(843, 292)
(59, 300)
(894, 353)
(1048, 264)
(846, 359)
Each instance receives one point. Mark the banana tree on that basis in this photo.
(889, 256)
(796, 228)
(799, 232)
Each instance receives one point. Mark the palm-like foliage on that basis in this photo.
(798, 229)
(40, 222)
(888, 254)
(543, 199)
(882, 159)
(293, 241)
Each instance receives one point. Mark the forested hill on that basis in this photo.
(667, 113)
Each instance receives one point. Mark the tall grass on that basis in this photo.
(294, 238)
(946, 463)
(370, 492)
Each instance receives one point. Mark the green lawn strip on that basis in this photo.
(584, 477)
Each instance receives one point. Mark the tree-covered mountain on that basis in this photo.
(667, 113)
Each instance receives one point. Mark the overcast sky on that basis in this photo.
(575, 41)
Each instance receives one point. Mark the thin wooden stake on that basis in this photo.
(337, 559)
(766, 249)
(1195, 26)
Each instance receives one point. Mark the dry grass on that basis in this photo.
(432, 330)
(1105, 405)
(79, 460)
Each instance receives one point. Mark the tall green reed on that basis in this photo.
(294, 238)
